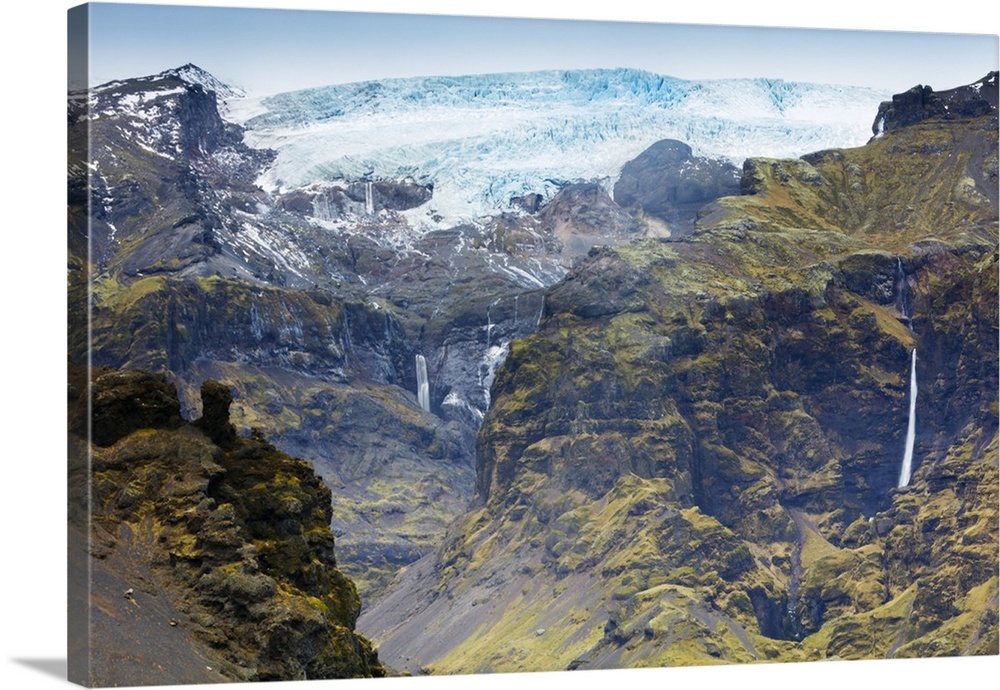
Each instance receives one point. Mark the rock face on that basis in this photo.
(680, 449)
(669, 184)
(311, 304)
(695, 458)
(211, 555)
(330, 201)
(922, 103)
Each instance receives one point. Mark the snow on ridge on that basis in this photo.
(192, 74)
(189, 73)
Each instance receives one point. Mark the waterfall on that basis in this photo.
(423, 389)
(321, 207)
(901, 302)
(489, 322)
(541, 311)
(488, 367)
(369, 199)
(911, 426)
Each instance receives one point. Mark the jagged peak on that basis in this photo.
(190, 74)
(924, 103)
(193, 74)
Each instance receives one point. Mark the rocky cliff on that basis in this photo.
(193, 271)
(696, 458)
(667, 185)
(314, 303)
(210, 555)
(684, 445)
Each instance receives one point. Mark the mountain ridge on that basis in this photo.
(739, 396)
(549, 333)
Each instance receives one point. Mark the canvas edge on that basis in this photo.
(78, 629)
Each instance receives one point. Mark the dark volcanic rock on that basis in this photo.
(222, 552)
(331, 201)
(127, 401)
(669, 183)
(215, 401)
(162, 322)
(529, 203)
(395, 195)
(923, 103)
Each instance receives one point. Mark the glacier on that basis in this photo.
(481, 140)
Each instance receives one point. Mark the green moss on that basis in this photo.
(235, 538)
(111, 293)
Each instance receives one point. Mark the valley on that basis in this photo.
(590, 390)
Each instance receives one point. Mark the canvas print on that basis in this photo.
(406, 345)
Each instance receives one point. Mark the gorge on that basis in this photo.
(597, 423)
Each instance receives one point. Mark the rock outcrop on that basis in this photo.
(211, 555)
(923, 103)
(666, 182)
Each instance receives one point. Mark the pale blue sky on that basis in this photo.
(267, 51)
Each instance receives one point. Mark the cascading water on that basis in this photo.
(903, 305)
(911, 426)
(901, 301)
(489, 322)
(369, 199)
(423, 389)
(321, 207)
(491, 361)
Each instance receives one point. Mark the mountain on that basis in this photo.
(193, 271)
(482, 140)
(697, 457)
(673, 392)
(313, 303)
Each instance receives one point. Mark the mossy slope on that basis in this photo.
(695, 458)
(218, 546)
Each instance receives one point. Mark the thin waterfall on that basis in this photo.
(911, 426)
(321, 207)
(901, 296)
(423, 389)
(369, 199)
(489, 322)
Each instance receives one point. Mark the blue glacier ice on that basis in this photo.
(483, 139)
